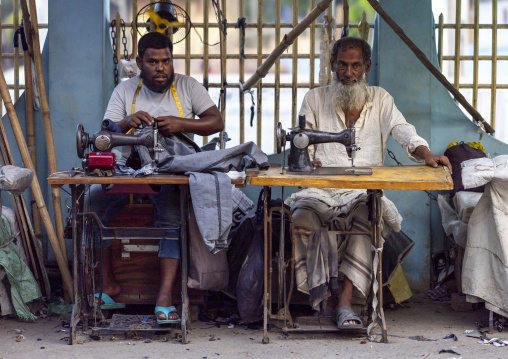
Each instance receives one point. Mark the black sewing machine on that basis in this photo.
(300, 139)
(100, 160)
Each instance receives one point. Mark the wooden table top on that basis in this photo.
(383, 177)
(61, 178)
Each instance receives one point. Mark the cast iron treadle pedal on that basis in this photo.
(315, 324)
(127, 322)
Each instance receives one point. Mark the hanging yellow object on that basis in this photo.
(398, 285)
(162, 24)
(477, 145)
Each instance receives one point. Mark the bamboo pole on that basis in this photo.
(259, 92)
(440, 42)
(118, 22)
(312, 54)
(456, 71)
(425, 61)
(206, 64)
(294, 73)
(188, 41)
(30, 131)
(494, 65)
(36, 230)
(345, 10)
(27, 26)
(50, 144)
(134, 29)
(15, 23)
(330, 33)
(476, 35)
(30, 125)
(223, 51)
(285, 43)
(241, 76)
(36, 189)
(277, 75)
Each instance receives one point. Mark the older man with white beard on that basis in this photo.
(348, 101)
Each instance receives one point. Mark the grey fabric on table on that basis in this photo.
(210, 186)
(181, 156)
(214, 209)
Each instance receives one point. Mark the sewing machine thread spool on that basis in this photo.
(301, 121)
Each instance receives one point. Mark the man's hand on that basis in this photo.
(431, 159)
(133, 121)
(315, 163)
(169, 124)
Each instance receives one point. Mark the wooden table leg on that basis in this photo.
(379, 245)
(77, 201)
(184, 213)
(375, 217)
(266, 294)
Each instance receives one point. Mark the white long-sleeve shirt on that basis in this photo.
(378, 120)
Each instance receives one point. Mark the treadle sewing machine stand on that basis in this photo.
(83, 305)
(394, 178)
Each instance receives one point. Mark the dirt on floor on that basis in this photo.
(416, 329)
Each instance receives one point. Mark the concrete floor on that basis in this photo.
(419, 317)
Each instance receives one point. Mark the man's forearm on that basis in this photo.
(210, 122)
(205, 126)
(422, 151)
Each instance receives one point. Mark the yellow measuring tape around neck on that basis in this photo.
(136, 93)
(178, 105)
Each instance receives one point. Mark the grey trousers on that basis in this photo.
(354, 252)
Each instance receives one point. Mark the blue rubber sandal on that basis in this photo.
(108, 302)
(166, 311)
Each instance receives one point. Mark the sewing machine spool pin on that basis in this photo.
(281, 145)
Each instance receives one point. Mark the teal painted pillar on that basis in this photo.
(80, 71)
(408, 81)
(427, 105)
(79, 80)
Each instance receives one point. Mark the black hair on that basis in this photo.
(350, 42)
(154, 40)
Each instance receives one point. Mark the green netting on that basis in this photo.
(24, 288)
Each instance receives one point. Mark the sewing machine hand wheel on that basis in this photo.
(82, 141)
(281, 138)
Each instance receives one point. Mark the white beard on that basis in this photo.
(351, 97)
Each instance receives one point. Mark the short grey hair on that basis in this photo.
(350, 42)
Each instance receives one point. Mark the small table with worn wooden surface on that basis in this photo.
(78, 184)
(384, 177)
